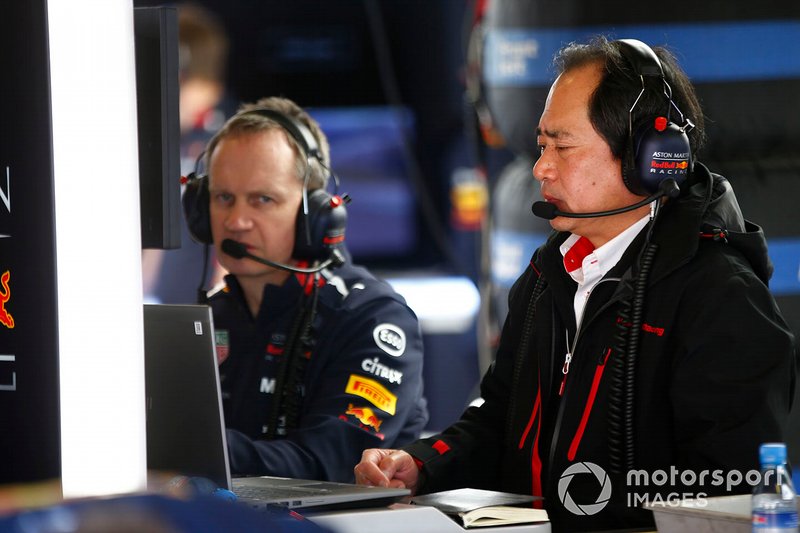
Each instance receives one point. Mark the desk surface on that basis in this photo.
(402, 518)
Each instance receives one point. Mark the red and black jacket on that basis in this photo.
(714, 374)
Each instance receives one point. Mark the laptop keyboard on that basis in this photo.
(285, 492)
(269, 493)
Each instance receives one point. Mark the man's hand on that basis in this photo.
(387, 468)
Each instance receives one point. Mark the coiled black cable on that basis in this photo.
(297, 364)
(292, 349)
(616, 409)
(621, 450)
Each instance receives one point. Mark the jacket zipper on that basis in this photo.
(571, 349)
(562, 391)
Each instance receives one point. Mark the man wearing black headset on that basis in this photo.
(318, 359)
(643, 358)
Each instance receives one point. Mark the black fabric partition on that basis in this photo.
(29, 386)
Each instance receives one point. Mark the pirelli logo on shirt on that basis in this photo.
(373, 392)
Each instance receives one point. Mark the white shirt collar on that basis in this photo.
(596, 264)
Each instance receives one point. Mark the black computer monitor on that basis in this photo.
(156, 45)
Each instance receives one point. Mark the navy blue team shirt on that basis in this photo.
(358, 385)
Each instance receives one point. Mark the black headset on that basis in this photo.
(321, 219)
(657, 148)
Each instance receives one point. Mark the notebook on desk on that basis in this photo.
(185, 423)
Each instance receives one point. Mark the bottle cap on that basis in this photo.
(772, 453)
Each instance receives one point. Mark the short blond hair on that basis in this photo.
(246, 121)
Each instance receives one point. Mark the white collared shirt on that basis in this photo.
(596, 264)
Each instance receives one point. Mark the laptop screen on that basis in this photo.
(185, 427)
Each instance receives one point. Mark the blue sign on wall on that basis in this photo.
(708, 52)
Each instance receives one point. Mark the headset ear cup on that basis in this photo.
(660, 154)
(195, 202)
(322, 230)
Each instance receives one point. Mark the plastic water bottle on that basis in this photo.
(774, 506)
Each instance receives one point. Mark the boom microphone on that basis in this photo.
(238, 250)
(549, 211)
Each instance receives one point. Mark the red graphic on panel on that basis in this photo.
(5, 317)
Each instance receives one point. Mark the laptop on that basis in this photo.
(185, 423)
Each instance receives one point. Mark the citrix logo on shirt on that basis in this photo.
(374, 367)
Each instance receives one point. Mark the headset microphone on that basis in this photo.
(238, 250)
(548, 211)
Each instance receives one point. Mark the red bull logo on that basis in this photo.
(5, 317)
(669, 164)
(675, 167)
(365, 415)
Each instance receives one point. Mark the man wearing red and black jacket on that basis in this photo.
(642, 341)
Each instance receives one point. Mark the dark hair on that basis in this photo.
(619, 87)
